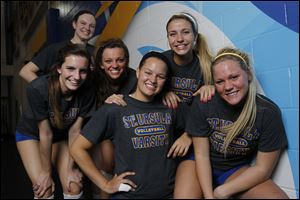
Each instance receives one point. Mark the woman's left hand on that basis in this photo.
(180, 146)
(205, 92)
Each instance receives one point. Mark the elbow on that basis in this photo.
(21, 73)
(72, 150)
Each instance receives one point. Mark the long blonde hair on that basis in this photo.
(200, 48)
(247, 117)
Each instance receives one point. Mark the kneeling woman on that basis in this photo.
(236, 126)
(142, 132)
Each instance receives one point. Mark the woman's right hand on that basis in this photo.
(116, 99)
(113, 185)
(171, 100)
(44, 184)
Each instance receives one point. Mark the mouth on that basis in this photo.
(151, 86)
(231, 94)
(181, 46)
(75, 83)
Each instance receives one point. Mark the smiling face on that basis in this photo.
(73, 73)
(84, 27)
(151, 79)
(181, 37)
(113, 62)
(231, 81)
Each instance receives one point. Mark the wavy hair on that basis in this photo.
(103, 84)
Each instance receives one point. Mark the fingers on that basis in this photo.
(171, 150)
(116, 99)
(171, 100)
(178, 150)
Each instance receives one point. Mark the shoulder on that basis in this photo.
(266, 105)
(131, 73)
(38, 87)
(39, 83)
(109, 109)
(168, 54)
(58, 45)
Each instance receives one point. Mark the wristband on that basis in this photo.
(124, 187)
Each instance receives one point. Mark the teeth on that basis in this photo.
(150, 86)
(231, 94)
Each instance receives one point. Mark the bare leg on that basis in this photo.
(29, 151)
(186, 183)
(103, 155)
(265, 190)
(60, 159)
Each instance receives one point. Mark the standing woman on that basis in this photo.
(57, 108)
(191, 75)
(84, 24)
(113, 79)
(236, 126)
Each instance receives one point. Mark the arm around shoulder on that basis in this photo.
(28, 72)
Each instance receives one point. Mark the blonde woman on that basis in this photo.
(191, 76)
(234, 127)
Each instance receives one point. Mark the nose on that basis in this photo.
(153, 79)
(179, 37)
(76, 75)
(114, 63)
(228, 85)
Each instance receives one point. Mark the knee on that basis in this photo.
(75, 189)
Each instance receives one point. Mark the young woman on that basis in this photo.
(191, 76)
(234, 127)
(113, 79)
(84, 24)
(142, 133)
(57, 108)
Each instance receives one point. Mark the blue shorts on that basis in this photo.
(219, 176)
(56, 137)
(21, 137)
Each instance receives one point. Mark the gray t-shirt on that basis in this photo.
(268, 134)
(142, 134)
(83, 104)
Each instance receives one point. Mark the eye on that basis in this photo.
(172, 34)
(219, 82)
(162, 77)
(121, 60)
(234, 77)
(84, 71)
(108, 61)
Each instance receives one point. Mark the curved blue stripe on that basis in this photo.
(284, 12)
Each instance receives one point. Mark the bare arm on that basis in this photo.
(28, 72)
(45, 179)
(74, 174)
(260, 172)
(203, 166)
(79, 151)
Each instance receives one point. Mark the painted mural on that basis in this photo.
(268, 31)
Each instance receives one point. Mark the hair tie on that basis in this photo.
(231, 54)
